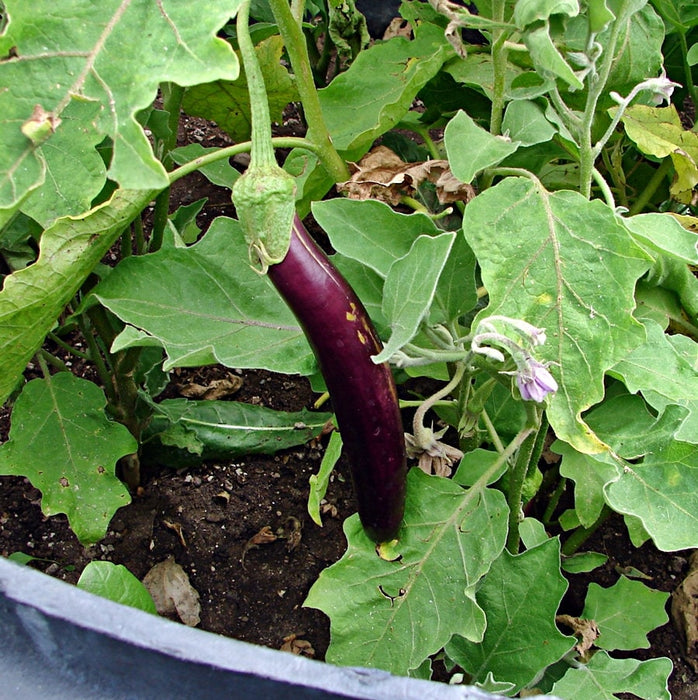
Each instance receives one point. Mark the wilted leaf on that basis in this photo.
(215, 389)
(586, 631)
(658, 132)
(684, 611)
(62, 441)
(381, 174)
(172, 593)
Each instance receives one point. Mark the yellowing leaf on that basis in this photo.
(658, 132)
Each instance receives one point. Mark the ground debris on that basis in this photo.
(684, 611)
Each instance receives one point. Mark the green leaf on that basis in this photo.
(84, 60)
(62, 441)
(657, 131)
(662, 492)
(456, 292)
(217, 429)
(525, 122)
(320, 481)
(410, 287)
(583, 562)
(603, 677)
(32, 298)
(662, 233)
(475, 463)
(531, 11)
(471, 148)
(117, 583)
(205, 305)
(665, 370)
(220, 173)
(625, 613)
(370, 231)
(547, 59)
(563, 263)
(378, 89)
(227, 102)
(447, 541)
(520, 596)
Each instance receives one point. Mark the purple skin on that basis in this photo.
(363, 393)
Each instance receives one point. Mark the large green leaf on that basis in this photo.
(603, 677)
(205, 305)
(565, 264)
(625, 613)
(394, 614)
(33, 298)
(410, 287)
(62, 441)
(111, 54)
(217, 429)
(228, 103)
(520, 596)
(378, 89)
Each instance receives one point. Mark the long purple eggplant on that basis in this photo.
(363, 393)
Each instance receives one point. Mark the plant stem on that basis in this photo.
(581, 535)
(690, 85)
(44, 357)
(605, 189)
(172, 95)
(499, 65)
(418, 421)
(517, 476)
(492, 431)
(554, 500)
(597, 84)
(160, 215)
(230, 151)
(297, 49)
(66, 346)
(651, 187)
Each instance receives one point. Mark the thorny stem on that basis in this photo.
(499, 65)
(518, 473)
(297, 50)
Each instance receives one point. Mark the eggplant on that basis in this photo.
(363, 393)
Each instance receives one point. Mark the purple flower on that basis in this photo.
(535, 382)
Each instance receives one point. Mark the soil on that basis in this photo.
(207, 516)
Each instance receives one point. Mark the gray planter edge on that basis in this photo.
(60, 639)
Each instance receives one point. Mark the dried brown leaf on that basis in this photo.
(586, 631)
(216, 389)
(264, 536)
(297, 646)
(684, 611)
(381, 174)
(172, 593)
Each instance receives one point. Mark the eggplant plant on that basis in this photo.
(521, 241)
